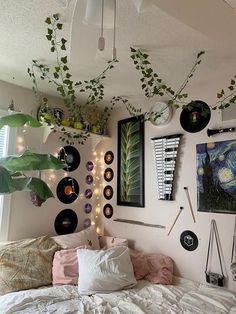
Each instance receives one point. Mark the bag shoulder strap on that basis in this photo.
(214, 232)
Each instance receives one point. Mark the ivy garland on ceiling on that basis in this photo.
(79, 115)
(89, 113)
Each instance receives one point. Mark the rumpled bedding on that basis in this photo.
(185, 296)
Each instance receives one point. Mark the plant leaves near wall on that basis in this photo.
(130, 138)
(31, 161)
(18, 120)
(9, 184)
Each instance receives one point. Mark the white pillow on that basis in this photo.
(105, 271)
(88, 236)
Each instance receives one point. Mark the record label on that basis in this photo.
(87, 223)
(189, 240)
(88, 193)
(108, 157)
(66, 221)
(87, 208)
(195, 116)
(108, 192)
(71, 156)
(67, 190)
(108, 211)
(108, 174)
(89, 179)
(89, 165)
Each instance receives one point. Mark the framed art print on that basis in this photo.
(216, 177)
(130, 179)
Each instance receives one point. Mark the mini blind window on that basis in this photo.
(3, 141)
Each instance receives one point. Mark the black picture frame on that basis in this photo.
(130, 173)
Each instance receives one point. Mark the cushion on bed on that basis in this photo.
(26, 264)
(107, 242)
(105, 271)
(65, 270)
(88, 236)
(155, 267)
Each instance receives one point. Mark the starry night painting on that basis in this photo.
(216, 177)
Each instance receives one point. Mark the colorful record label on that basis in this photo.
(88, 208)
(89, 165)
(108, 157)
(108, 174)
(66, 221)
(89, 179)
(108, 192)
(108, 211)
(88, 193)
(87, 223)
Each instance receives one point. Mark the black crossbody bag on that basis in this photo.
(214, 278)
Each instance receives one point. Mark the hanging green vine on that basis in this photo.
(79, 115)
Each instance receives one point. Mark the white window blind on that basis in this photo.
(7, 144)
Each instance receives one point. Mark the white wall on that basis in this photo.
(27, 220)
(187, 264)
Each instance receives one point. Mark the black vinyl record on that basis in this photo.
(195, 116)
(108, 174)
(66, 221)
(109, 157)
(108, 211)
(67, 190)
(108, 192)
(189, 240)
(71, 156)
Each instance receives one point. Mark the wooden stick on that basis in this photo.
(136, 222)
(190, 204)
(180, 210)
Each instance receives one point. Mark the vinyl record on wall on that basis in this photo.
(89, 179)
(189, 240)
(67, 190)
(71, 156)
(195, 116)
(88, 208)
(108, 157)
(108, 174)
(108, 192)
(108, 211)
(87, 223)
(88, 193)
(89, 165)
(66, 221)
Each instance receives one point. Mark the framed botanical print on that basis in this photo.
(130, 174)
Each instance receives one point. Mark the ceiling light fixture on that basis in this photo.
(102, 14)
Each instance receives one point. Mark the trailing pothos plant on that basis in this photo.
(79, 115)
(13, 169)
(153, 85)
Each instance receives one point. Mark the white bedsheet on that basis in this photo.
(184, 297)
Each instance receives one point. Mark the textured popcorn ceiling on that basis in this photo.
(172, 32)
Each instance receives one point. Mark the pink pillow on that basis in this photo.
(156, 268)
(65, 270)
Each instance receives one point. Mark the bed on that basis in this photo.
(184, 296)
(63, 275)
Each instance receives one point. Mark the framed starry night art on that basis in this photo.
(216, 177)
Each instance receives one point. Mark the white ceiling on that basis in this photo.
(170, 31)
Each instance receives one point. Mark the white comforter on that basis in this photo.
(184, 297)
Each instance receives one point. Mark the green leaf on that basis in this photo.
(18, 120)
(56, 75)
(63, 41)
(59, 25)
(31, 161)
(49, 37)
(52, 49)
(64, 59)
(48, 20)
